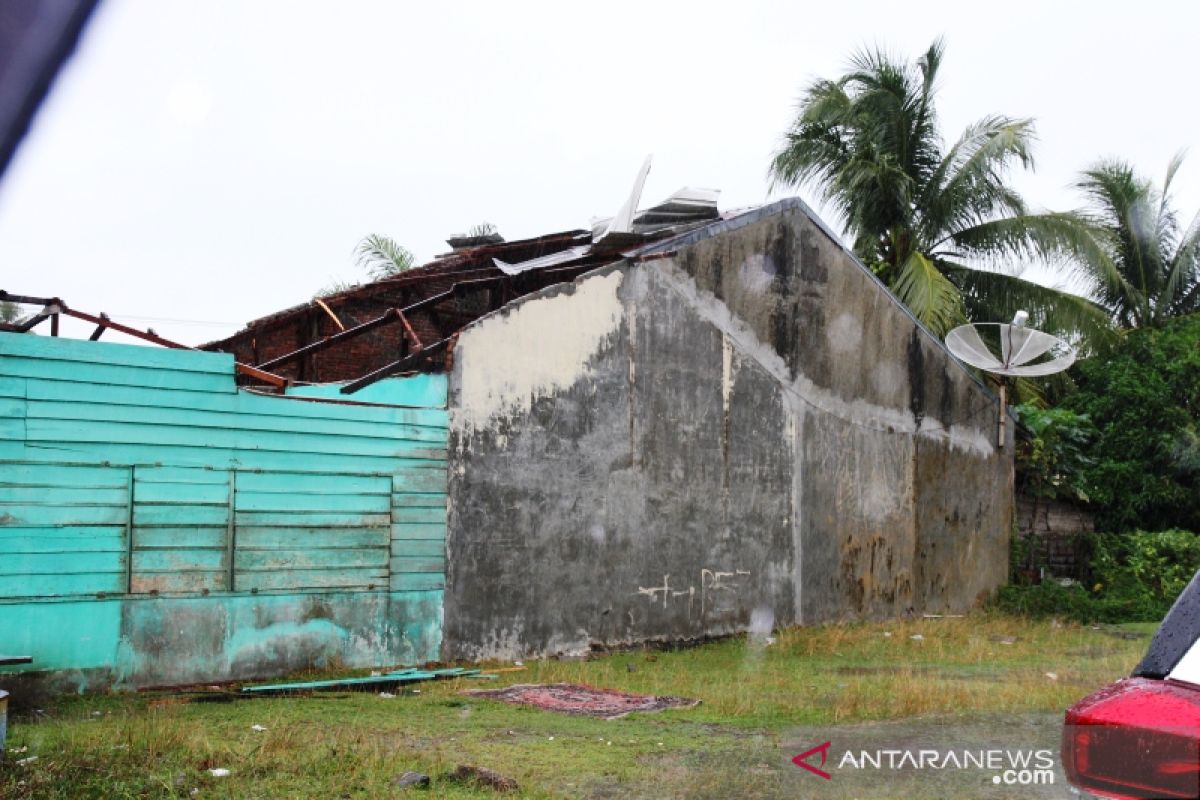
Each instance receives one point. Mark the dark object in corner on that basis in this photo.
(36, 38)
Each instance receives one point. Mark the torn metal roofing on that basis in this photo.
(541, 262)
(623, 221)
(429, 305)
(432, 303)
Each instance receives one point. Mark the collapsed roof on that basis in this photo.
(409, 322)
(425, 308)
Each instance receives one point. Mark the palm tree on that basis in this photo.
(1149, 269)
(381, 256)
(940, 227)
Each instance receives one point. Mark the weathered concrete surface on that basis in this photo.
(751, 427)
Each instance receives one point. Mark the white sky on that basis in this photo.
(217, 161)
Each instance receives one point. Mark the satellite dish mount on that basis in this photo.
(1009, 351)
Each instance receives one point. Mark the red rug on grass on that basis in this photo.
(570, 698)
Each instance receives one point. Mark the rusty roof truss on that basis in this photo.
(54, 307)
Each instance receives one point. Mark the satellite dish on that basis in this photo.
(1010, 351)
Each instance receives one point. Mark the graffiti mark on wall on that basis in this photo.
(654, 591)
(711, 580)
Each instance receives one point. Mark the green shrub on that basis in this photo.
(1143, 398)
(1134, 577)
(1052, 458)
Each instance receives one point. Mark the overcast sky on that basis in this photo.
(199, 164)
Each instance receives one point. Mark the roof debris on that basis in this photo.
(426, 307)
(589, 701)
(53, 307)
(400, 676)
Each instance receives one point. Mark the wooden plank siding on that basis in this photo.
(180, 529)
(335, 532)
(63, 525)
(135, 472)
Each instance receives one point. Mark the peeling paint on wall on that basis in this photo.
(534, 348)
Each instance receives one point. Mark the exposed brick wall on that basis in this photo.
(270, 337)
(354, 357)
(1056, 527)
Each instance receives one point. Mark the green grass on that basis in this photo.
(335, 745)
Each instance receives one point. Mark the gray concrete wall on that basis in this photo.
(750, 427)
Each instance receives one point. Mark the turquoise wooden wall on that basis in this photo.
(159, 525)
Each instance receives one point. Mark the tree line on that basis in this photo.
(943, 227)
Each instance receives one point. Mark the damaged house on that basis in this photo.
(654, 430)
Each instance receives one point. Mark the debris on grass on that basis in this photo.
(396, 678)
(411, 778)
(569, 698)
(219, 772)
(257, 728)
(1127, 635)
(482, 776)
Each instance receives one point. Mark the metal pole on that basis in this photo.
(1003, 408)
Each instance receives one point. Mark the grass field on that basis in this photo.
(754, 697)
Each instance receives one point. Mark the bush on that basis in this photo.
(1053, 457)
(1134, 577)
(1143, 398)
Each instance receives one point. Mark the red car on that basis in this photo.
(1140, 737)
